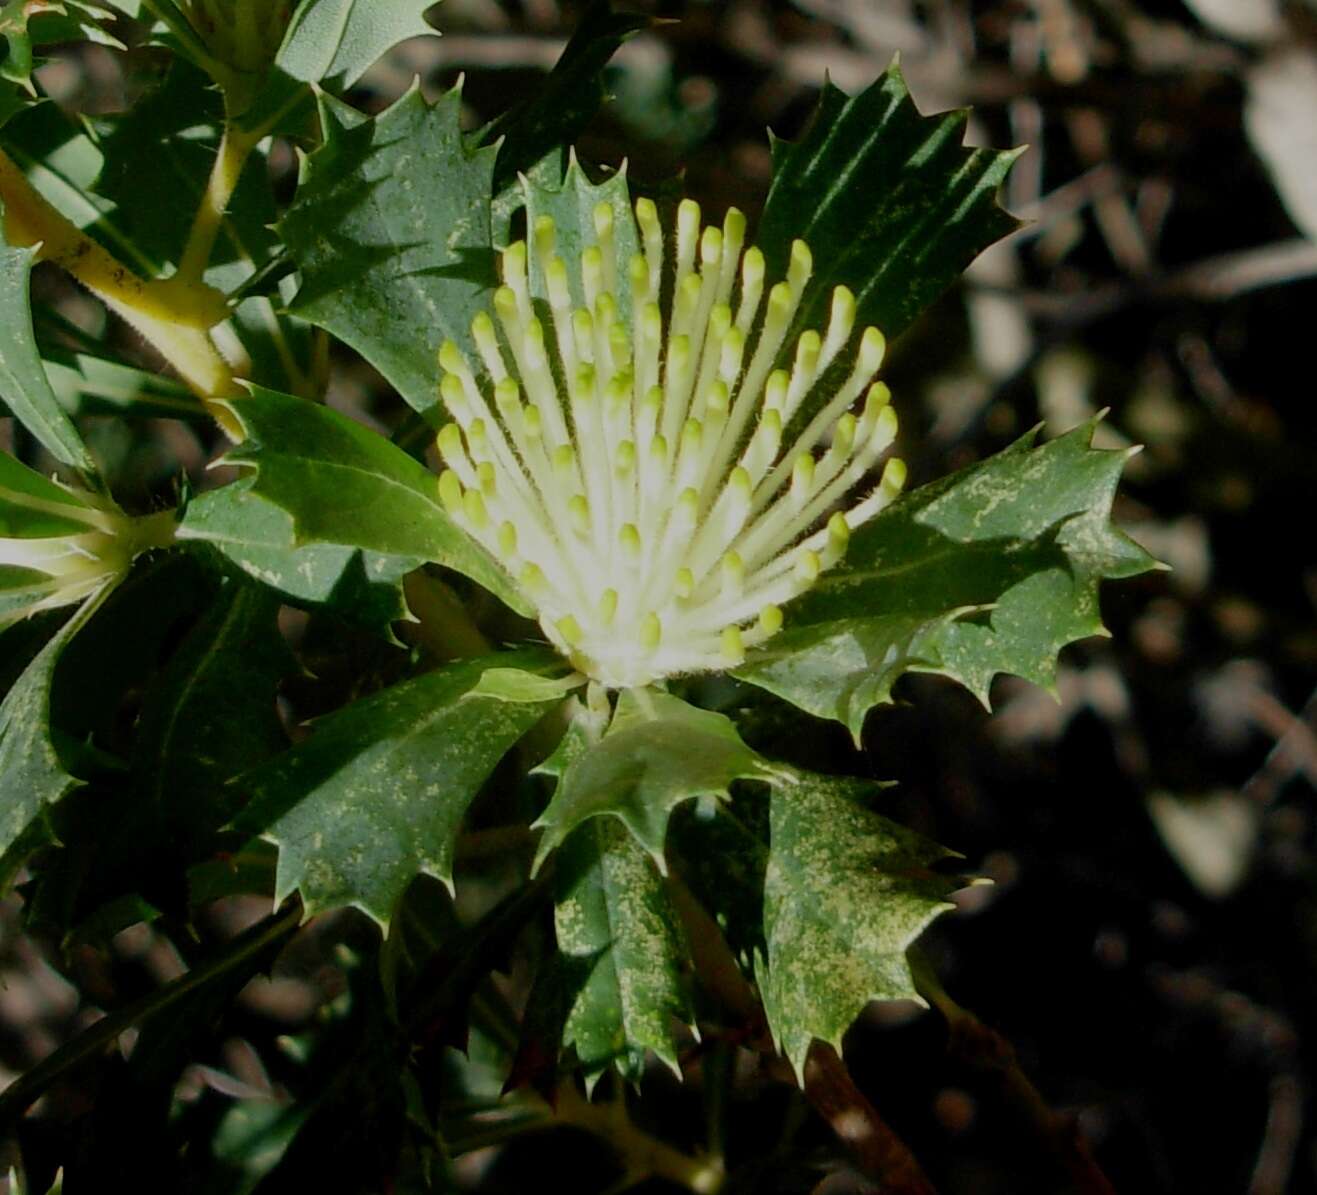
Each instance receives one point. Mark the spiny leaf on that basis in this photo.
(334, 41)
(657, 752)
(364, 588)
(33, 778)
(890, 202)
(391, 231)
(532, 137)
(1024, 536)
(846, 892)
(344, 484)
(571, 207)
(24, 25)
(622, 951)
(376, 794)
(23, 383)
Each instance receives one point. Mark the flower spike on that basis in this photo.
(645, 476)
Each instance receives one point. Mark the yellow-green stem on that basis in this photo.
(173, 315)
(234, 149)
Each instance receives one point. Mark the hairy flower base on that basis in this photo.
(68, 568)
(630, 468)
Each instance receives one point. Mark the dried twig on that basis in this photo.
(876, 1148)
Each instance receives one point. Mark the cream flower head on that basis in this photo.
(653, 483)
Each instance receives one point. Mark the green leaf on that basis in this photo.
(1024, 536)
(333, 42)
(22, 28)
(616, 984)
(623, 952)
(536, 133)
(33, 506)
(514, 684)
(13, 99)
(842, 668)
(391, 231)
(376, 794)
(23, 383)
(211, 713)
(364, 588)
(344, 484)
(890, 202)
(846, 892)
(33, 778)
(657, 752)
(571, 208)
(89, 384)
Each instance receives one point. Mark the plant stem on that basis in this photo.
(235, 147)
(881, 1154)
(174, 316)
(644, 1156)
(984, 1049)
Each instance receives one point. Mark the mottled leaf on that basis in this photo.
(391, 231)
(376, 794)
(619, 975)
(657, 752)
(1024, 536)
(345, 484)
(846, 892)
(364, 588)
(623, 952)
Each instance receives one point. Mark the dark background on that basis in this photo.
(1149, 944)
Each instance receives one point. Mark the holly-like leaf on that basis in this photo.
(571, 208)
(391, 232)
(376, 794)
(890, 202)
(841, 669)
(333, 42)
(24, 386)
(658, 751)
(364, 588)
(846, 892)
(533, 136)
(344, 484)
(618, 977)
(33, 777)
(1023, 537)
(623, 952)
